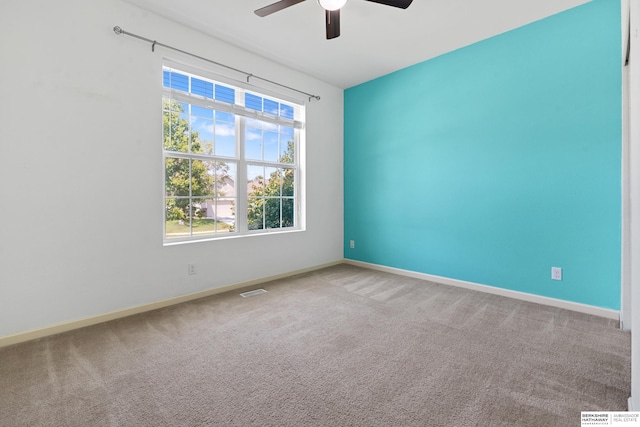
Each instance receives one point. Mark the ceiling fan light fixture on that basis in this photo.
(332, 4)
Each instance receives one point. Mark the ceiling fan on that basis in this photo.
(331, 8)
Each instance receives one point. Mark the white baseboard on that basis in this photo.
(93, 320)
(568, 305)
(88, 321)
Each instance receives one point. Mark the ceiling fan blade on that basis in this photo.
(402, 4)
(275, 7)
(333, 23)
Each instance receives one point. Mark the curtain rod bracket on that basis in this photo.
(119, 31)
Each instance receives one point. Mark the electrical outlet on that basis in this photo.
(352, 244)
(192, 269)
(556, 273)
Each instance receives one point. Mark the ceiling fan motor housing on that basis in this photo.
(332, 4)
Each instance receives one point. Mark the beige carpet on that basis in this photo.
(342, 346)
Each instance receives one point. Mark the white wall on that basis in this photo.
(634, 161)
(81, 175)
(625, 289)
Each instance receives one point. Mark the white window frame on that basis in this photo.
(241, 114)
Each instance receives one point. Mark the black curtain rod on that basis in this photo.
(154, 43)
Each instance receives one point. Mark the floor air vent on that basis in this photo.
(252, 293)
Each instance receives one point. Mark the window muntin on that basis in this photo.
(215, 137)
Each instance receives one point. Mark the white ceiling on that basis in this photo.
(375, 39)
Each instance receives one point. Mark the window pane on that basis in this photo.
(255, 202)
(261, 141)
(166, 78)
(177, 134)
(287, 154)
(174, 105)
(252, 101)
(288, 209)
(225, 94)
(253, 144)
(202, 88)
(226, 179)
(225, 215)
(273, 182)
(255, 213)
(271, 107)
(227, 117)
(176, 81)
(253, 123)
(175, 129)
(203, 221)
(225, 138)
(286, 111)
(177, 177)
(255, 177)
(288, 182)
(176, 221)
(201, 112)
(166, 130)
(201, 135)
(272, 213)
(271, 146)
(203, 178)
(269, 126)
(287, 132)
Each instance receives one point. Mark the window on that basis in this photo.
(231, 159)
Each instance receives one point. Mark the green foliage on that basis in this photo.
(175, 213)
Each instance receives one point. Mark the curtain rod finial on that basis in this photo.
(117, 30)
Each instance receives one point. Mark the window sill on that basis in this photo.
(178, 242)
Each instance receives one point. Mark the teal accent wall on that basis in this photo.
(497, 161)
